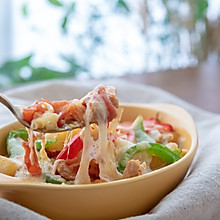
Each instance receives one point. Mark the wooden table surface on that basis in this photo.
(197, 85)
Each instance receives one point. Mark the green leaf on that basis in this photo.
(64, 23)
(43, 73)
(72, 7)
(65, 20)
(15, 65)
(55, 3)
(74, 66)
(25, 10)
(13, 72)
(121, 4)
(202, 6)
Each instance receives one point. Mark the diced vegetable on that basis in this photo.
(31, 160)
(55, 179)
(140, 133)
(7, 166)
(21, 133)
(154, 124)
(156, 149)
(163, 153)
(55, 141)
(28, 113)
(14, 142)
(72, 148)
(38, 143)
(127, 155)
(57, 105)
(14, 147)
(125, 129)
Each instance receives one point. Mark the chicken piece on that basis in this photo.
(134, 168)
(67, 172)
(74, 111)
(102, 97)
(93, 170)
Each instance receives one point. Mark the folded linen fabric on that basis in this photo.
(196, 197)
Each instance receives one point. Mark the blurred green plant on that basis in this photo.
(14, 72)
(19, 71)
(180, 17)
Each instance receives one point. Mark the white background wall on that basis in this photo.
(5, 30)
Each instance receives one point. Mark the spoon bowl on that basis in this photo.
(17, 111)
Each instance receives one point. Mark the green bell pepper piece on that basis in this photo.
(14, 142)
(38, 143)
(54, 179)
(156, 149)
(140, 133)
(163, 153)
(21, 133)
(127, 155)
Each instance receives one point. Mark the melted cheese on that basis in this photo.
(31, 146)
(82, 176)
(47, 122)
(43, 153)
(102, 149)
(106, 156)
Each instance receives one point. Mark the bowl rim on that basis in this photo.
(18, 183)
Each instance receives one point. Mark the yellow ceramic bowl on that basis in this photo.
(113, 200)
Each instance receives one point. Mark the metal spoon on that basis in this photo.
(17, 111)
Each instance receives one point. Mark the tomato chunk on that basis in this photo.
(126, 130)
(31, 163)
(57, 105)
(153, 124)
(72, 148)
(28, 113)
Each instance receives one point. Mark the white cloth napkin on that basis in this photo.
(196, 197)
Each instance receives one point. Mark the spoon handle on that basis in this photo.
(7, 103)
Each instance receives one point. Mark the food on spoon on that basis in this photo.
(51, 115)
(103, 150)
